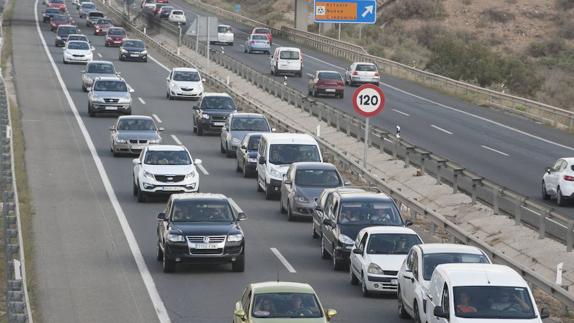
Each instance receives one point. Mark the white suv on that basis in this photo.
(416, 272)
(558, 181)
(163, 170)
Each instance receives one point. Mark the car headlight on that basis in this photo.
(121, 141)
(275, 173)
(148, 175)
(301, 199)
(235, 142)
(155, 141)
(125, 100)
(345, 240)
(205, 116)
(374, 269)
(144, 52)
(252, 160)
(175, 237)
(174, 86)
(123, 51)
(235, 237)
(190, 175)
(99, 100)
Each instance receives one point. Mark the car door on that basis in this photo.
(169, 79)
(287, 186)
(163, 225)
(358, 260)
(444, 304)
(331, 229)
(319, 211)
(245, 305)
(225, 133)
(242, 152)
(138, 166)
(113, 131)
(262, 168)
(348, 73)
(409, 280)
(552, 178)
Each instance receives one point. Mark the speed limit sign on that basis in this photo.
(368, 100)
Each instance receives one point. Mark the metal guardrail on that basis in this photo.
(557, 117)
(414, 208)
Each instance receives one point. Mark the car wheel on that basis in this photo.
(239, 265)
(315, 235)
(324, 253)
(281, 208)
(364, 289)
(416, 313)
(560, 200)
(121, 59)
(228, 152)
(84, 88)
(91, 112)
(290, 216)
(314, 93)
(259, 189)
(135, 189)
(221, 149)
(337, 264)
(300, 74)
(545, 195)
(141, 196)
(352, 278)
(200, 131)
(237, 167)
(342, 95)
(401, 308)
(106, 44)
(159, 254)
(268, 193)
(168, 265)
(64, 60)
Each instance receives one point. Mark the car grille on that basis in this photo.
(206, 251)
(169, 179)
(187, 89)
(390, 272)
(218, 118)
(212, 239)
(76, 55)
(135, 141)
(111, 100)
(200, 239)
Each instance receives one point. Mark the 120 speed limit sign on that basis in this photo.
(368, 100)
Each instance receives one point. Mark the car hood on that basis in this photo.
(351, 230)
(134, 49)
(206, 229)
(169, 169)
(281, 168)
(94, 75)
(310, 192)
(239, 134)
(111, 94)
(387, 262)
(130, 134)
(288, 320)
(78, 51)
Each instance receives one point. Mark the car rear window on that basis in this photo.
(60, 18)
(52, 10)
(177, 12)
(67, 30)
(223, 29)
(329, 76)
(77, 37)
(259, 37)
(366, 68)
(92, 15)
(289, 54)
(134, 44)
(88, 5)
(103, 21)
(261, 31)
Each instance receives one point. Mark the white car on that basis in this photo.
(77, 52)
(378, 255)
(225, 35)
(184, 82)
(177, 17)
(163, 170)
(558, 181)
(361, 73)
(415, 273)
(287, 60)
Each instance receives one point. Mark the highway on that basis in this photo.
(208, 294)
(507, 149)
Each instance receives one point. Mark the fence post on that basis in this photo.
(440, 164)
(542, 225)
(409, 149)
(424, 156)
(570, 236)
(456, 173)
(475, 183)
(496, 192)
(518, 211)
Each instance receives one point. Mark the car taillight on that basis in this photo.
(569, 178)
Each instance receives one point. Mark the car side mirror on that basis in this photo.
(273, 129)
(544, 314)
(167, 78)
(241, 216)
(243, 147)
(358, 251)
(262, 160)
(198, 161)
(83, 71)
(328, 222)
(161, 216)
(408, 223)
(195, 107)
(136, 161)
(318, 208)
(409, 275)
(330, 314)
(548, 170)
(203, 80)
(439, 312)
(288, 182)
(161, 129)
(92, 48)
(310, 76)
(240, 314)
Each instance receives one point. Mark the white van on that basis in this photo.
(276, 152)
(287, 60)
(225, 35)
(480, 293)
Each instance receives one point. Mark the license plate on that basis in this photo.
(137, 147)
(134, 55)
(219, 124)
(171, 188)
(206, 246)
(111, 108)
(330, 90)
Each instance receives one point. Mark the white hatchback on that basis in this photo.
(177, 17)
(558, 181)
(77, 52)
(184, 82)
(360, 73)
(378, 255)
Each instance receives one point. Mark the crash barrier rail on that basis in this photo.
(17, 300)
(332, 154)
(543, 218)
(557, 117)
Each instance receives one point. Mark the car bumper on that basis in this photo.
(275, 186)
(60, 42)
(186, 94)
(330, 89)
(183, 254)
(259, 48)
(250, 167)
(302, 209)
(135, 57)
(374, 80)
(382, 284)
(567, 189)
(169, 188)
(72, 59)
(116, 43)
(209, 125)
(342, 253)
(111, 107)
(132, 149)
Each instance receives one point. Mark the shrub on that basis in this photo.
(547, 47)
(419, 9)
(566, 29)
(497, 15)
(565, 4)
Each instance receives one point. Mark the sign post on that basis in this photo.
(368, 101)
(346, 11)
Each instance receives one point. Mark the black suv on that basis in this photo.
(212, 112)
(346, 213)
(201, 228)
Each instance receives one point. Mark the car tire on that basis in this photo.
(121, 59)
(135, 188)
(268, 193)
(314, 93)
(168, 265)
(239, 265)
(238, 167)
(560, 200)
(141, 196)
(145, 60)
(259, 189)
(91, 112)
(364, 289)
(221, 149)
(300, 74)
(84, 88)
(337, 264)
(290, 216)
(200, 131)
(400, 306)
(545, 195)
(352, 278)
(282, 210)
(315, 235)
(417, 315)
(245, 172)
(159, 253)
(106, 44)
(342, 95)
(324, 253)
(229, 153)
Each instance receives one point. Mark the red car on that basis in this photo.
(161, 1)
(266, 31)
(101, 27)
(157, 8)
(115, 36)
(326, 82)
(58, 20)
(59, 4)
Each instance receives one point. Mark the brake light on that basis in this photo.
(569, 178)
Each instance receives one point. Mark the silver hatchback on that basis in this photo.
(95, 69)
(131, 134)
(109, 95)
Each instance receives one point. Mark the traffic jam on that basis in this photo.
(358, 230)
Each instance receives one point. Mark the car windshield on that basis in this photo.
(186, 76)
(286, 305)
(317, 178)
(217, 103)
(223, 29)
(329, 76)
(177, 157)
(391, 244)
(77, 37)
(261, 31)
(289, 54)
(111, 86)
(285, 154)
(369, 212)
(101, 68)
(259, 37)
(116, 32)
(57, 1)
(431, 260)
(64, 31)
(52, 10)
(80, 45)
(60, 18)
(366, 68)
(253, 143)
(95, 15)
(136, 124)
(134, 44)
(104, 22)
(249, 124)
(493, 302)
(202, 211)
(88, 6)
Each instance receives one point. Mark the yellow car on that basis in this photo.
(280, 302)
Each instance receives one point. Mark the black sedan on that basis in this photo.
(133, 49)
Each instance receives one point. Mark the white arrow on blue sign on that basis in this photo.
(346, 11)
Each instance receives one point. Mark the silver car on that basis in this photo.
(361, 73)
(237, 126)
(95, 69)
(131, 134)
(109, 95)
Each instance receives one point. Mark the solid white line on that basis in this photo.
(99, 55)
(494, 150)
(159, 63)
(141, 100)
(283, 260)
(156, 118)
(203, 170)
(8, 132)
(176, 140)
(401, 112)
(147, 279)
(441, 129)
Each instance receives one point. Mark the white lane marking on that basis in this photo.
(494, 150)
(147, 279)
(99, 55)
(441, 129)
(131, 88)
(8, 132)
(156, 118)
(401, 112)
(202, 169)
(388, 140)
(176, 140)
(159, 63)
(141, 100)
(283, 260)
